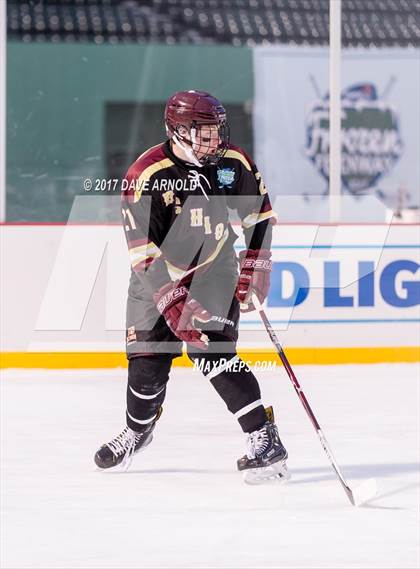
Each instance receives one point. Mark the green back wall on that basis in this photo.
(56, 100)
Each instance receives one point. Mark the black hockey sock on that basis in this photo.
(146, 389)
(236, 385)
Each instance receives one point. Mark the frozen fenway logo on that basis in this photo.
(371, 142)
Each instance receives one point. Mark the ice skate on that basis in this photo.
(121, 449)
(266, 457)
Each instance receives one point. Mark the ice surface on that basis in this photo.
(183, 504)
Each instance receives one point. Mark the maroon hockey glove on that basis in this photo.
(255, 268)
(181, 314)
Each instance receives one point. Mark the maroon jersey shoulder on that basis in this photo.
(148, 158)
(232, 148)
(237, 148)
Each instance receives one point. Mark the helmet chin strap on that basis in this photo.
(187, 149)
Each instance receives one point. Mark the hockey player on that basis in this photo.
(184, 284)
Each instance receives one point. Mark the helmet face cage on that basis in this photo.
(210, 156)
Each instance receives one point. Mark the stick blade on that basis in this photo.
(364, 492)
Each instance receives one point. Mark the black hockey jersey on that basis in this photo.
(176, 215)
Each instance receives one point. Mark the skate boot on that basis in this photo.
(121, 449)
(266, 457)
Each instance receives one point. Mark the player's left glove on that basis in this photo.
(255, 268)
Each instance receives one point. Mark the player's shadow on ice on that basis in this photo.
(138, 471)
(363, 471)
(379, 496)
(353, 471)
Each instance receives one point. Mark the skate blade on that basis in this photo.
(273, 474)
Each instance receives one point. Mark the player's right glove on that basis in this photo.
(182, 314)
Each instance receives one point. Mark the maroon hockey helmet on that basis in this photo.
(192, 109)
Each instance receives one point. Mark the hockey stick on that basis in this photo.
(365, 491)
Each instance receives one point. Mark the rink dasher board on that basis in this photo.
(334, 289)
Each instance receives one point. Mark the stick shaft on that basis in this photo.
(302, 397)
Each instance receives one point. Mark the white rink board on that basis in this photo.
(64, 287)
(183, 504)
